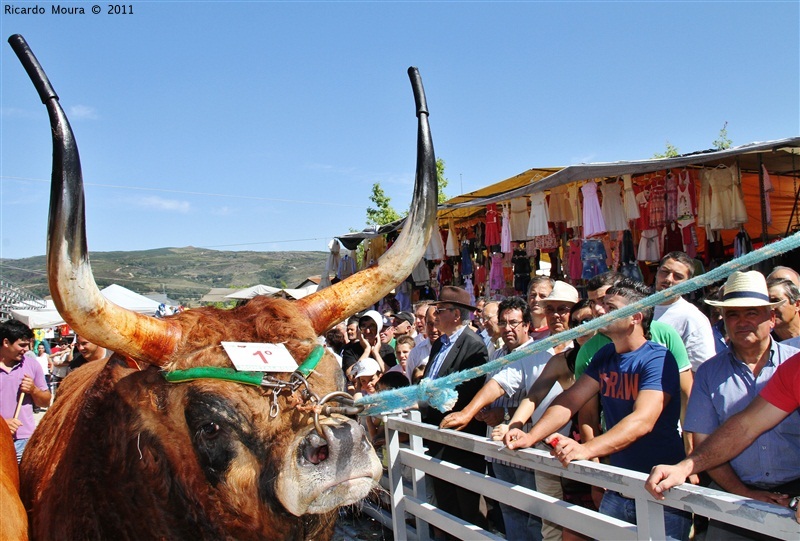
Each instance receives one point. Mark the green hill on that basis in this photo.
(184, 274)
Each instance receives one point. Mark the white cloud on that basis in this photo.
(82, 112)
(221, 211)
(159, 203)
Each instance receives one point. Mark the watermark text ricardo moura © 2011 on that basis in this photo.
(58, 9)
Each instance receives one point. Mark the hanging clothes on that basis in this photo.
(346, 267)
(687, 195)
(643, 201)
(629, 199)
(673, 238)
(727, 203)
(612, 209)
(658, 202)
(537, 224)
(742, 243)
(575, 265)
(593, 255)
(649, 249)
(451, 246)
(559, 207)
(522, 270)
(689, 236)
(627, 255)
(505, 234)
(593, 223)
(519, 219)
(767, 189)
(492, 225)
(466, 259)
(435, 249)
(496, 279)
(421, 275)
(445, 275)
(575, 206)
(671, 197)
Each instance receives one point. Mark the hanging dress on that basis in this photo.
(658, 202)
(505, 234)
(519, 219)
(575, 206)
(492, 225)
(575, 263)
(649, 247)
(613, 212)
(727, 205)
(537, 225)
(435, 249)
(559, 205)
(451, 247)
(593, 223)
(496, 279)
(671, 188)
(631, 206)
(686, 196)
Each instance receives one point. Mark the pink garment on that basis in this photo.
(593, 223)
(672, 197)
(496, 279)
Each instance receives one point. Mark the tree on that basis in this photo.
(383, 213)
(671, 152)
(723, 141)
(441, 180)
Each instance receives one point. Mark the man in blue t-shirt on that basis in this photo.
(639, 389)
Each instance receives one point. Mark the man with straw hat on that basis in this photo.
(725, 384)
(22, 383)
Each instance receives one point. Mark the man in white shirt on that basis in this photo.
(693, 326)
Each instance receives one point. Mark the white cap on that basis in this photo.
(366, 367)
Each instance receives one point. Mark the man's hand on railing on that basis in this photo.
(566, 449)
(455, 421)
(518, 439)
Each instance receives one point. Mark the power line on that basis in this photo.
(186, 192)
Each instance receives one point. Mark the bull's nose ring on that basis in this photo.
(349, 409)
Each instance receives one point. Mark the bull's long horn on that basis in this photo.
(365, 288)
(69, 273)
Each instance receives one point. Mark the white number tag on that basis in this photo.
(254, 357)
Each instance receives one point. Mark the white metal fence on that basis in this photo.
(410, 500)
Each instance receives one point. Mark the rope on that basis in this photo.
(441, 394)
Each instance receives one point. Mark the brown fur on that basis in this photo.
(115, 457)
(13, 520)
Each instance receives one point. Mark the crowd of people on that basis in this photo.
(672, 391)
(665, 391)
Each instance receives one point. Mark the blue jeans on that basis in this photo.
(519, 524)
(676, 523)
(19, 445)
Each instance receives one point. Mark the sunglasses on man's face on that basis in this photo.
(576, 322)
(443, 309)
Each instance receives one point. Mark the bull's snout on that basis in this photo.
(342, 438)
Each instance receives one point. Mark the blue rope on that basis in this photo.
(441, 394)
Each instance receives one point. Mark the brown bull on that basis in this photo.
(125, 454)
(13, 520)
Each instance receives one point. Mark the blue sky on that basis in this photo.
(258, 125)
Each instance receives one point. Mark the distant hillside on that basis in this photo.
(184, 274)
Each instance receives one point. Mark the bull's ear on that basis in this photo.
(337, 302)
(72, 284)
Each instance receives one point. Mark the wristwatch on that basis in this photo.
(506, 416)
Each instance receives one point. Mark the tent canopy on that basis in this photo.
(121, 296)
(254, 291)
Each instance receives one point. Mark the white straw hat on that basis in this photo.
(563, 292)
(743, 289)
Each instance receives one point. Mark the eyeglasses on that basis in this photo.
(440, 310)
(561, 309)
(510, 324)
(576, 322)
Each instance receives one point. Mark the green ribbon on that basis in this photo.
(231, 374)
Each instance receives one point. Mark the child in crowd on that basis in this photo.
(402, 349)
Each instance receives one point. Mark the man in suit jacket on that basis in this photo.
(458, 348)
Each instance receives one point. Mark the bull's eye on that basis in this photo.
(209, 431)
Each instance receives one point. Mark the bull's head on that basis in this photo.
(229, 425)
